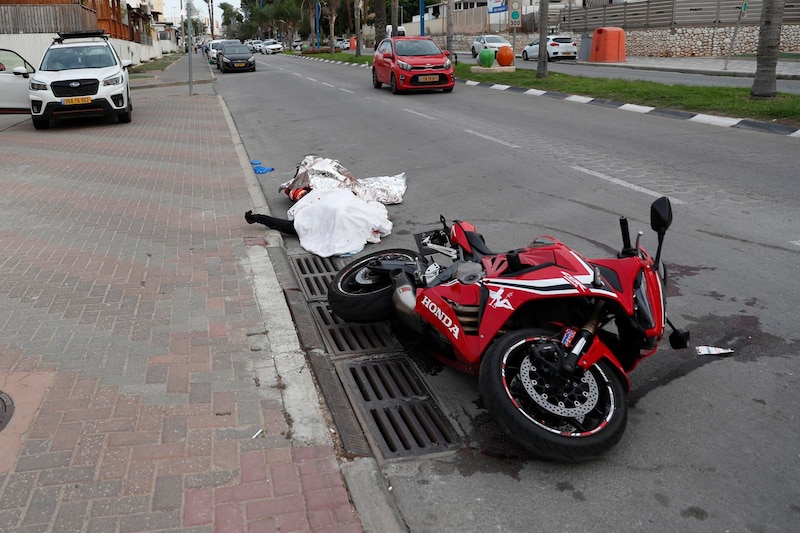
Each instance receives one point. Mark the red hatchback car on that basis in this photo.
(412, 64)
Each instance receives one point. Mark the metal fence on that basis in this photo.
(667, 13)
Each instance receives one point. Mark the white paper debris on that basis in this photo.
(712, 350)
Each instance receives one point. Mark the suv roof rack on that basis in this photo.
(81, 34)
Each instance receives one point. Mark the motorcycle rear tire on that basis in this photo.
(357, 294)
(541, 430)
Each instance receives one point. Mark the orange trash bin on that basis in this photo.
(608, 45)
(352, 43)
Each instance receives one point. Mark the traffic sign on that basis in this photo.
(514, 14)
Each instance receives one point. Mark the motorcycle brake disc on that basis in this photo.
(574, 403)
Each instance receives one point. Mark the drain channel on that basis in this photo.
(362, 363)
(6, 409)
(396, 405)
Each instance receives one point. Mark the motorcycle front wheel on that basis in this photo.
(568, 419)
(359, 293)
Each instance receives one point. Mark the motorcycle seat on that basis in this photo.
(478, 245)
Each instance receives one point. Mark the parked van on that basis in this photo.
(401, 31)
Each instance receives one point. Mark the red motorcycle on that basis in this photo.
(550, 334)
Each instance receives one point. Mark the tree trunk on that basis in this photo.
(544, 14)
(769, 41)
(380, 21)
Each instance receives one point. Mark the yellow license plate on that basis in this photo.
(426, 79)
(238, 64)
(77, 100)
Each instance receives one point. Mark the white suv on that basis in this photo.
(81, 75)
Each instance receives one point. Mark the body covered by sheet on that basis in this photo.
(337, 222)
(321, 173)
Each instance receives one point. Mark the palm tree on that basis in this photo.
(769, 41)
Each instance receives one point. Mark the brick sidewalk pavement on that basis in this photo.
(132, 343)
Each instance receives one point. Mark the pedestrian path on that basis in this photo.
(150, 373)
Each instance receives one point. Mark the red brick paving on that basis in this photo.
(121, 274)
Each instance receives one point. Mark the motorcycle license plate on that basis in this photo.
(77, 100)
(238, 64)
(428, 79)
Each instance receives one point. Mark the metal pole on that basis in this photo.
(422, 17)
(191, 34)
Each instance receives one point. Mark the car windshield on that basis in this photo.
(562, 40)
(235, 49)
(417, 48)
(494, 39)
(77, 57)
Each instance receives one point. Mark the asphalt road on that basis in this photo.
(711, 442)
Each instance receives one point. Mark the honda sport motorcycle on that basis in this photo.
(550, 334)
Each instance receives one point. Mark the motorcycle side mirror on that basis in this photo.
(679, 339)
(661, 215)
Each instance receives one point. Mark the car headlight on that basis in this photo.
(447, 64)
(403, 65)
(251, 59)
(225, 59)
(117, 79)
(36, 85)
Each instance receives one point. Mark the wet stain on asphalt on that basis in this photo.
(741, 333)
(694, 512)
(675, 273)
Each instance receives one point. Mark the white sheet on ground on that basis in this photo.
(337, 222)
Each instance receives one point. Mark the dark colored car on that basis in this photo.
(236, 57)
(412, 63)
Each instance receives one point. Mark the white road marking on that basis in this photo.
(418, 114)
(579, 99)
(498, 141)
(625, 184)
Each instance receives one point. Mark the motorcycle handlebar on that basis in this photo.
(627, 251)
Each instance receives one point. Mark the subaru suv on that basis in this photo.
(81, 75)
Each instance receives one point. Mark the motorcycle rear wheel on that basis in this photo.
(360, 294)
(569, 420)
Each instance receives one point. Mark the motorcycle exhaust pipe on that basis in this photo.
(404, 299)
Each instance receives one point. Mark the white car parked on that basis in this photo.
(492, 42)
(558, 47)
(271, 46)
(81, 75)
(15, 74)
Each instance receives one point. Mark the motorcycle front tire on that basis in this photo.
(528, 409)
(360, 294)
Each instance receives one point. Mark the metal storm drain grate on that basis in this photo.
(6, 409)
(345, 338)
(394, 403)
(315, 274)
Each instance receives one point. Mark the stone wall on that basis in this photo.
(665, 42)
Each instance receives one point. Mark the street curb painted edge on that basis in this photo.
(741, 123)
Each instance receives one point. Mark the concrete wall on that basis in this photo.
(32, 47)
(664, 42)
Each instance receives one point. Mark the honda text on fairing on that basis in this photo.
(550, 334)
